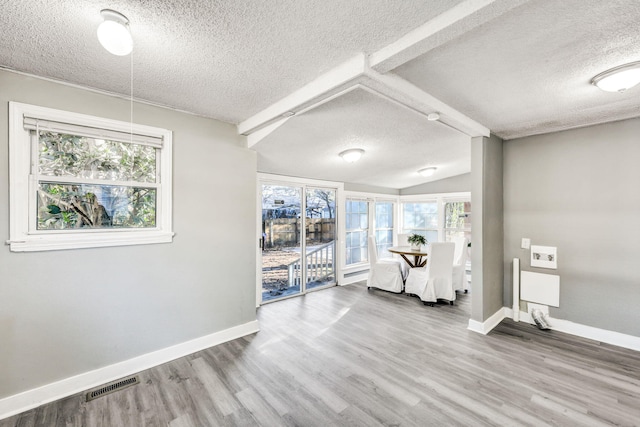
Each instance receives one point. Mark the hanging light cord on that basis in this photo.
(131, 101)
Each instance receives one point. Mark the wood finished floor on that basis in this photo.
(349, 356)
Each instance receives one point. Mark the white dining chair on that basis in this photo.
(384, 274)
(460, 256)
(435, 281)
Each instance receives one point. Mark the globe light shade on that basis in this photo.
(427, 171)
(352, 155)
(114, 34)
(618, 79)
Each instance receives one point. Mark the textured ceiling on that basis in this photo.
(221, 59)
(360, 119)
(530, 73)
(517, 67)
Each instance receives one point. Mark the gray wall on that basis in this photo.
(63, 313)
(487, 248)
(453, 184)
(578, 190)
(370, 189)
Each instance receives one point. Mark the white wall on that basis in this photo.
(363, 188)
(63, 313)
(578, 190)
(453, 184)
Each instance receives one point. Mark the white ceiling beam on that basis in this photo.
(262, 133)
(411, 96)
(370, 72)
(256, 136)
(322, 87)
(443, 28)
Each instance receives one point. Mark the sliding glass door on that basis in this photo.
(293, 225)
(281, 241)
(320, 241)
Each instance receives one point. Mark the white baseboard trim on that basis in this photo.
(610, 337)
(485, 327)
(29, 399)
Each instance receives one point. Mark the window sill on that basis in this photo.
(52, 242)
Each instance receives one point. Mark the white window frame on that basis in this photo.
(371, 199)
(22, 199)
(394, 223)
(440, 199)
(433, 200)
(466, 230)
(368, 230)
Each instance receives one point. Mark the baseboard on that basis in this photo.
(29, 399)
(485, 327)
(602, 335)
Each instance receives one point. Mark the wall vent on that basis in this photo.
(112, 387)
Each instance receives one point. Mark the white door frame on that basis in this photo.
(304, 183)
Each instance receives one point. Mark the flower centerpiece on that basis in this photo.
(416, 240)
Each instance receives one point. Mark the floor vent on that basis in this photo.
(112, 387)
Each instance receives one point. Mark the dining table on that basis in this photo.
(419, 255)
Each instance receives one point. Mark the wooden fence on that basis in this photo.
(285, 232)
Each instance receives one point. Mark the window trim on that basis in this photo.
(434, 200)
(359, 199)
(21, 199)
(386, 254)
(441, 199)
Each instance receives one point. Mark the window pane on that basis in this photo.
(355, 221)
(73, 206)
(349, 239)
(355, 255)
(457, 215)
(382, 237)
(357, 229)
(384, 240)
(407, 219)
(431, 220)
(82, 157)
(364, 221)
(421, 218)
(384, 215)
(432, 236)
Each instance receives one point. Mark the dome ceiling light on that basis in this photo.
(618, 79)
(352, 155)
(114, 34)
(427, 171)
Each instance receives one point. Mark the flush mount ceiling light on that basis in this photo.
(352, 155)
(427, 171)
(432, 117)
(114, 34)
(618, 79)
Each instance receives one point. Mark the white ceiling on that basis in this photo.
(360, 119)
(356, 73)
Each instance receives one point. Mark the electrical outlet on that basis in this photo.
(526, 243)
